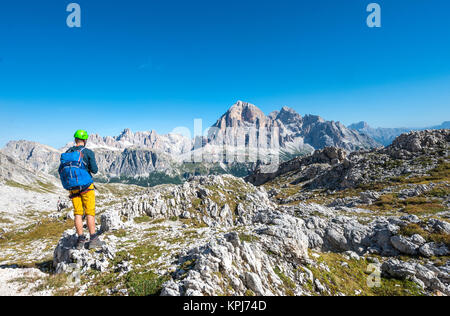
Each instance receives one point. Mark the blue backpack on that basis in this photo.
(73, 171)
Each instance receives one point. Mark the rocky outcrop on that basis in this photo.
(411, 144)
(327, 231)
(342, 233)
(412, 154)
(247, 245)
(110, 220)
(227, 265)
(307, 167)
(67, 258)
(427, 276)
(213, 200)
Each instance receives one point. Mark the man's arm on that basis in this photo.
(93, 168)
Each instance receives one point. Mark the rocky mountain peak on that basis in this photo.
(240, 114)
(289, 116)
(311, 119)
(36, 156)
(126, 134)
(359, 126)
(273, 115)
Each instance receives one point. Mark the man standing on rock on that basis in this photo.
(76, 169)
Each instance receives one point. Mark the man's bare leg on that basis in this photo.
(95, 241)
(79, 224)
(91, 224)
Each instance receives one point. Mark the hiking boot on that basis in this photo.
(96, 243)
(81, 242)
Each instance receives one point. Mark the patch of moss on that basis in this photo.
(15, 184)
(352, 278)
(101, 283)
(186, 266)
(154, 228)
(144, 283)
(138, 282)
(46, 186)
(58, 284)
(289, 285)
(412, 229)
(5, 220)
(249, 293)
(439, 192)
(193, 222)
(120, 233)
(158, 221)
(248, 238)
(44, 230)
(414, 205)
(142, 219)
(144, 253)
(394, 287)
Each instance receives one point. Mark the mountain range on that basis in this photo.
(385, 136)
(133, 157)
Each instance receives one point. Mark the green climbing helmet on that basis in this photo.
(81, 134)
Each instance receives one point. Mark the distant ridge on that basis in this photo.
(385, 136)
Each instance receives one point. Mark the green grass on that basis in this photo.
(145, 283)
(142, 219)
(38, 186)
(44, 230)
(440, 173)
(120, 233)
(158, 221)
(249, 293)
(15, 184)
(419, 205)
(347, 280)
(58, 284)
(155, 228)
(193, 222)
(5, 221)
(439, 192)
(248, 238)
(412, 229)
(50, 187)
(144, 253)
(289, 285)
(138, 282)
(394, 287)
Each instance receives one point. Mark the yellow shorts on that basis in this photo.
(85, 202)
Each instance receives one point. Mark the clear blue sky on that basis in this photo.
(160, 64)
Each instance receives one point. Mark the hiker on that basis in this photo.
(76, 169)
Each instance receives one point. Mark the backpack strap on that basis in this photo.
(81, 153)
(82, 157)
